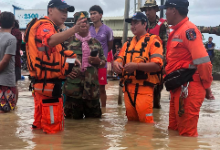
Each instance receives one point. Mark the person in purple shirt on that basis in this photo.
(104, 35)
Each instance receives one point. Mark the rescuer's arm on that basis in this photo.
(147, 67)
(199, 55)
(60, 37)
(156, 58)
(9, 52)
(118, 63)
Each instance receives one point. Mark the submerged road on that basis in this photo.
(112, 131)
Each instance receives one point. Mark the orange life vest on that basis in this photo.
(45, 65)
(139, 53)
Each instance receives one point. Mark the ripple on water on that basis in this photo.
(112, 131)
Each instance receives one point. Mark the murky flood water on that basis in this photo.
(112, 131)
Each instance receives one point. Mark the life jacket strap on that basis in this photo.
(47, 69)
(47, 63)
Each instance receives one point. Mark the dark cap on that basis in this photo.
(137, 16)
(60, 4)
(150, 4)
(81, 14)
(175, 3)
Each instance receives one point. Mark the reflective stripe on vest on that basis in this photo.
(192, 66)
(201, 60)
(148, 115)
(177, 40)
(156, 55)
(156, 29)
(159, 23)
(51, 115)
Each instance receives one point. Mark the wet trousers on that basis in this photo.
(143, 109)
(48, 113)
(157, 96)
(80, 108)
(187, 124)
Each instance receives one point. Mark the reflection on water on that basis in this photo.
(112, 131)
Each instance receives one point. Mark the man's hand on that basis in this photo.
(94, 60)
(117, 67)
(78, 24)
(77, 63)
(209, 94)
(72, 75)
(130, 67)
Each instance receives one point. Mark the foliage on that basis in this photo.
(216, 63)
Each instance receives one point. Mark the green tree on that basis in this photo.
(216, 63)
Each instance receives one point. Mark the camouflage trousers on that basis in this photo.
(157, 96)
(80, 108)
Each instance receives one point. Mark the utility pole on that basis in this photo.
(135, 3)
(161, 11)
(139, 5)
(126, 15)
(124, 39)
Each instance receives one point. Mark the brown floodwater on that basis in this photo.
(112, 131)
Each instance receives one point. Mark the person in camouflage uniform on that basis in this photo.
(210, 30)
(158, 27)
(82, 91)
(151, 8)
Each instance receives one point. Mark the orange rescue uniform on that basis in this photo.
(139, 86)
(47, 66)
(185, 49)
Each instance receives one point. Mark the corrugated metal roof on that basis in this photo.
(116, 24)
(119, 33)
(113, 18)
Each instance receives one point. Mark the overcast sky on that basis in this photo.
(201, 12)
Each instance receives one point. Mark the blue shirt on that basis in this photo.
(210, 52)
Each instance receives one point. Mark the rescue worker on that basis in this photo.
(49, 62)
(188, 69)
(82, 91)
(158, 27)
(136, 61)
